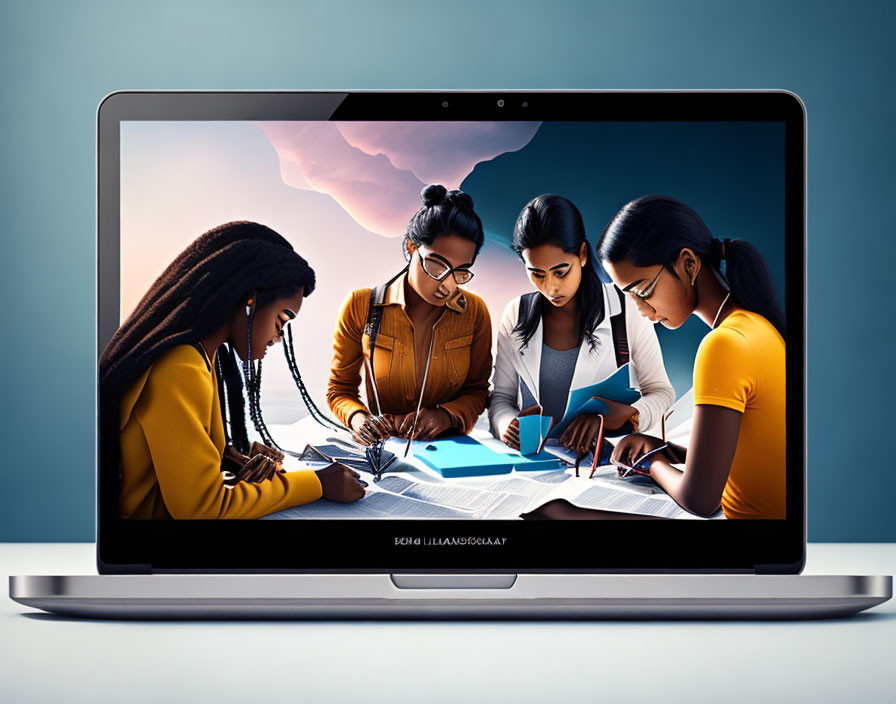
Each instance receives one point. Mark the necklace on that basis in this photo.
(719, 312)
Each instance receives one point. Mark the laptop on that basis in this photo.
(517, 354)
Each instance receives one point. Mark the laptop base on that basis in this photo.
(503, 596)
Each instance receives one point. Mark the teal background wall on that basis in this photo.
(58, 59)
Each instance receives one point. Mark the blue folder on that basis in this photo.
(530, 436)
(615, 388)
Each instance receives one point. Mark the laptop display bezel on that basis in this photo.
(126, 546)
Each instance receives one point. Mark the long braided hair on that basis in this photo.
(192, 298)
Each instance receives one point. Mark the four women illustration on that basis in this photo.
(176, 378)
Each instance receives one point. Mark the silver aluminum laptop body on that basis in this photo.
(525, 596)
(688, 587)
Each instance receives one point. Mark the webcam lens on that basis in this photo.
(500, 103)
(445, 104)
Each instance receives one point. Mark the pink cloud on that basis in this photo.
(315, 156)
(376, 170)
(438, 152)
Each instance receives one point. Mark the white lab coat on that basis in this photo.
(647, 372)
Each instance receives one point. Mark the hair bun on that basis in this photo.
(460, 199)
(433, 194)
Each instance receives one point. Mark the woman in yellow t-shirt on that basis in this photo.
(659, 251)
(171, 390)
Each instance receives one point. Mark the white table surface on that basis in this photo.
(44, 658)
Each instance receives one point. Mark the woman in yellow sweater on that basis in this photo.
(169, 381)
(659, 251)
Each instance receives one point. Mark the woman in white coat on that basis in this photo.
(573, 332)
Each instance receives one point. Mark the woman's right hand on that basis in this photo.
(340, 483)
(511, 436)
(369, 429)
(632, 447)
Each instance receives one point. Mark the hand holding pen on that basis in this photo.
(369, 429)
(632, 450)
(585, 434)
(431, 422)
(340, 483)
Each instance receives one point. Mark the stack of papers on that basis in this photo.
(412, 489)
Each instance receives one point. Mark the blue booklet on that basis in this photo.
(532, 430)
(615, 388)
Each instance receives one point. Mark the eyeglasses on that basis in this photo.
(438, 269)
(647, 292)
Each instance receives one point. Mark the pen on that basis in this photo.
(666, 418)
(600, 442)
(420, 400)
(634, 465)
(543, 436)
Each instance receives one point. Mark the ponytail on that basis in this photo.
(750, 279)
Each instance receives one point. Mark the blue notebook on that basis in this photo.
(463, 456)
(541, 462)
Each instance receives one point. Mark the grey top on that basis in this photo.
(554, 379)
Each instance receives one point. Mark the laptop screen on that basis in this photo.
(450, 320)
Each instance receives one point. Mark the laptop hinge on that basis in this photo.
(453, 581)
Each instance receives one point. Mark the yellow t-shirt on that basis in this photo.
(740, 365)
(172, 443)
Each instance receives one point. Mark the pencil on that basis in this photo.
(600, 442)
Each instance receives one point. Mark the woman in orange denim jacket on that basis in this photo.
(434, 340)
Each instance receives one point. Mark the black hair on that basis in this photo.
(655, 228)
(192, 298)
(553, 219)
(444, 213)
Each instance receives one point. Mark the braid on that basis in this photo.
(236, 405)
(252, 376)
(252, 372)
(290, 353)
(193, 297)
(255, 406)
(222, 392)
